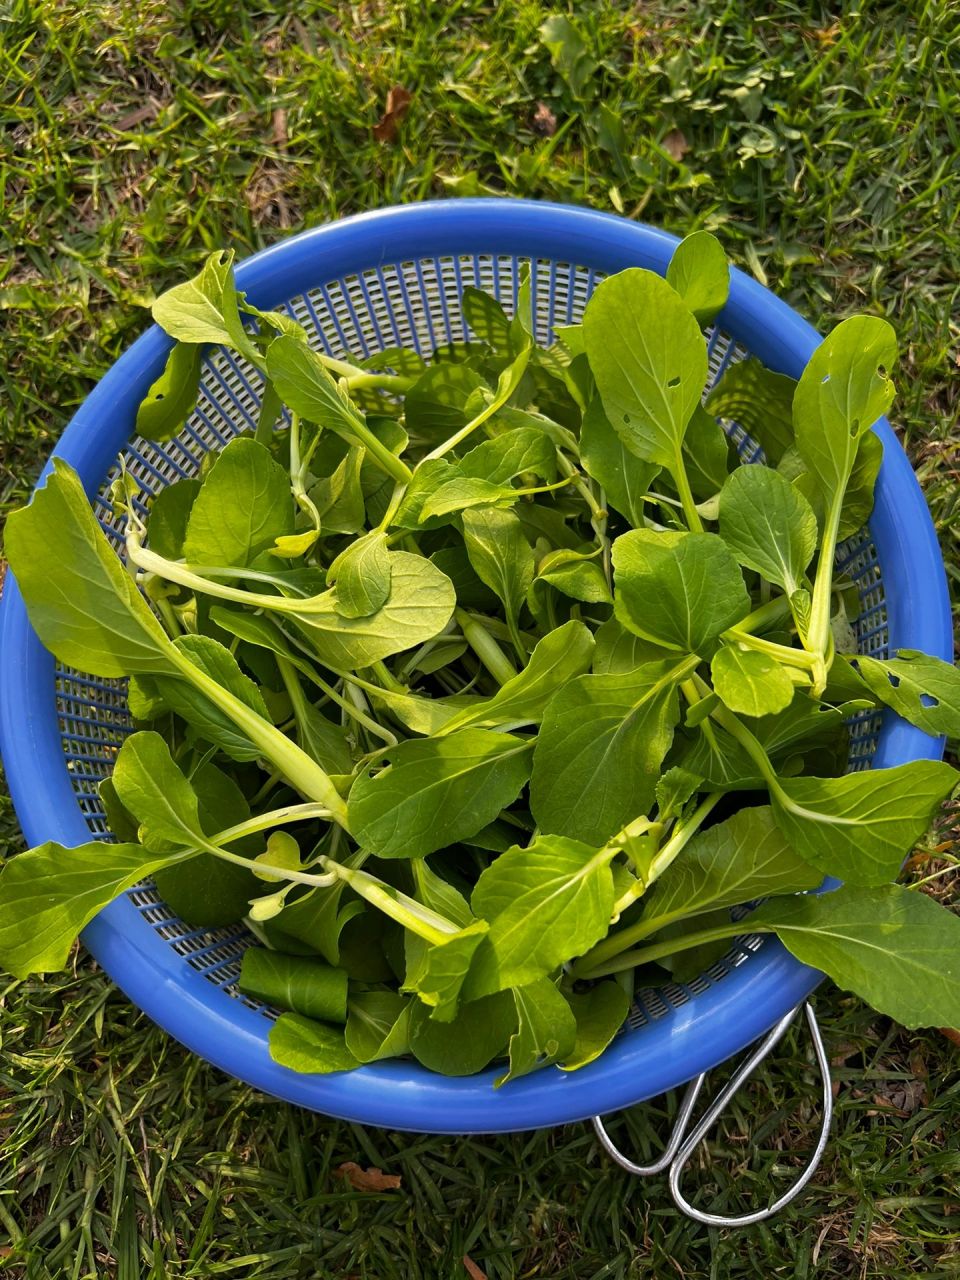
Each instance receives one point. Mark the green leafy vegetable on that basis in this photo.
(923, 689)
(515, 610)
(433, 792)
(677, 590)
(309, 1046)
(171, 399)
(768, 525)
(600, 750)
(50, 893)
(378, 1025)
(242, 508)
(546, 1031)
(295, 983)
(698, 271)
(896, 948)
(83, 606)
(545, 904)
(599, 1015)
(858, 827)
(501, 556)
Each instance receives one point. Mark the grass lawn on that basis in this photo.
(820, 142)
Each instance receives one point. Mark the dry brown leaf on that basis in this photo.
(368, 1179)
(675, 144)
(280, 127)
(544, 121)
(952, 1036)
(398, 104)
(826, 36)
(473, 1271)
(140, 116)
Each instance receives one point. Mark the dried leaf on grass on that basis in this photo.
(675, 145)
(398, 104)
(141, 116)
(544, 121)
(368, 1179)
(280, 128)
(473, 1271)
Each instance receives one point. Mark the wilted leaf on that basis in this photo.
(544, 121)
(368, 1179)
(398, 104)
(675, 145)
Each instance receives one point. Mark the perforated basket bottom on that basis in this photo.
(410, 304)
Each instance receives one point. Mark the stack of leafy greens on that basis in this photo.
(486, 686)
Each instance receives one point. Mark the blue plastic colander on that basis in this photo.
(395, 277)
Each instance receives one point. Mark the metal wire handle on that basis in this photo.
(679, 1148)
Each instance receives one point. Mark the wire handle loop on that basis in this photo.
(679, 1148)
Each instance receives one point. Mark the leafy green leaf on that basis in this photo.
(923, 689)
(488, 320)
(557, 659)
(308, 388)
(152, 787)
(733, 862)
(674, 788)
(308, 1046)
(319, 917)
(545, 904)
(619, 650)
(500, 554)
(338, 498)
(420, 604)
(444, 969)
(599, 1014)
(242, 508)
(706, 458)
(750, 683)
(680, 590)
(296, 983)
(844, 388)
(465, 492)
(200, 710)
(576, 574)
(895, 948)
(205, 308)
(600, 751)
(861, 827)
(169, 514)
(699, 272)
(478, 1033)
(434, 791)
(546, 1031)
(362, 574)
(50, 893)
(171, 398)
(624, 477)
(82, 604)
(768, 525)
(378, 1025)
(206, 891)
(435, 405)
(649, 359)
(502, 459)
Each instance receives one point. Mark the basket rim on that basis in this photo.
(694, 1037)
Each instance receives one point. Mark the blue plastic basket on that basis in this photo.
(395, 277)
